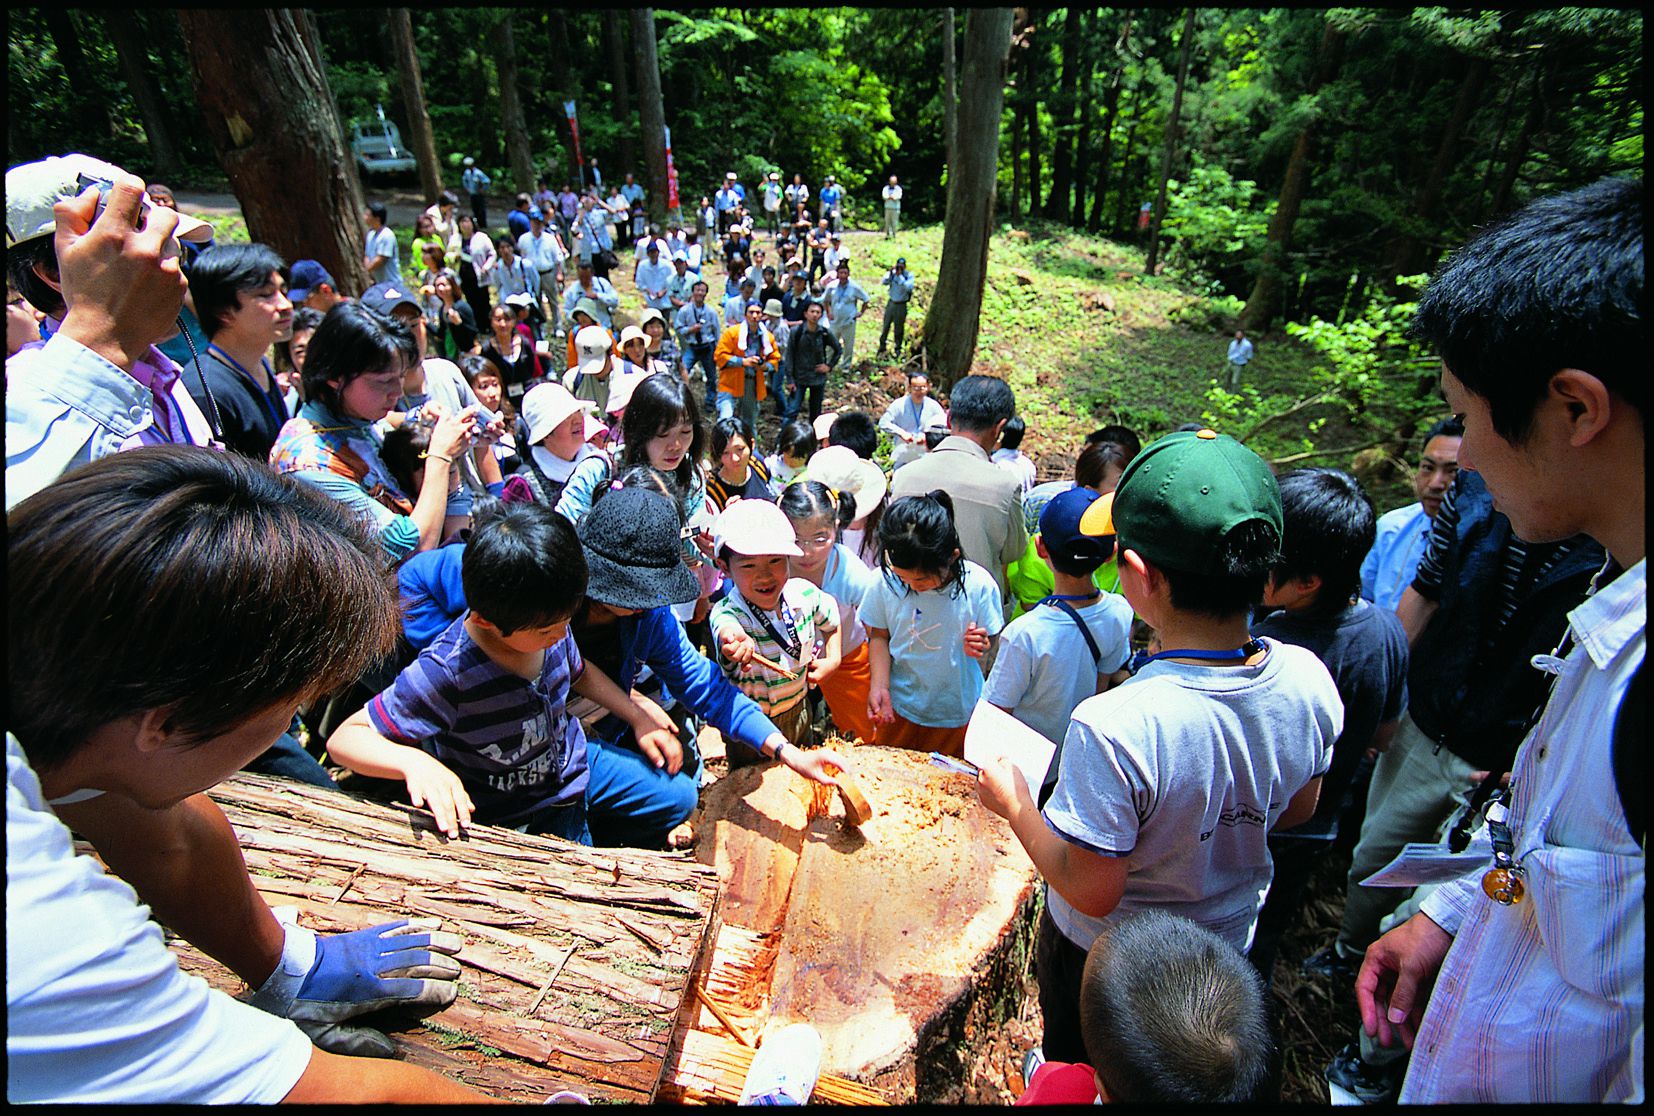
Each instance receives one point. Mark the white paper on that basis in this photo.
(992, 732)
(1425, 862)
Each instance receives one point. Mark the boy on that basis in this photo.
(479, 724)
(1329, 526)
(1170, 781)
(767, 615)
(1073, 644)
(1171, 1013)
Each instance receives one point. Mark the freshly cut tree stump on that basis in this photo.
(576, 962)
(899, 940)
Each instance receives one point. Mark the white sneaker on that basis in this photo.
(785, 1069)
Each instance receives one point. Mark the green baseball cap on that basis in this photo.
(1178, 499)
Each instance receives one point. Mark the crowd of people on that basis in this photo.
(593, 558)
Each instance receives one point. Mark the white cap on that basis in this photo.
(622, 386)
(590, 342)
(547, 406)
(680, 254)
(33, 188)
(823, 424)
(630, 334)
(841, 470)
(755, 527)
(521, 298)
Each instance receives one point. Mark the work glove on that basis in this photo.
(324, 980)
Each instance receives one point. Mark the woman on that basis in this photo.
(663, 349)
(484, 379)
(352, 378)
(426, 235)
(455, 332)
(511, 350)
(476, 263)
(290, 356)
(433, 265)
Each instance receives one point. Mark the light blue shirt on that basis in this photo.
(515, 278)
(632, 191)
(830, 196)
(842, 300)
(681, 286)
(1398, 545)
(688, 314)
(656, 276)
(847, 580)
(932, 681)
(381, 242)
(603, 294)
(1043, 668)
(725, 199)
(1240, 351)
(900, 284)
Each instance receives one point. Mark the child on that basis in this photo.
(1329, 527)
(794, 446)
(1170, 782)
(817, 516)
(930, 619)
(1171, 1014)
(767, 614)
(735, 473)
(1075, 642)
(556, 427)
(1009, 455)
(843, 472)
(478, 724)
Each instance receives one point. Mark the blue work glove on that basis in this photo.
(324, 980)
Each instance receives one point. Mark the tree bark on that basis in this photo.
(128, 41)
(1122, 202)
(1171, 142)
(950, 91)
(1111, 102)
(1016, 149)
(91, 110)
(951, 322)
(517, 149)
(1406, 254)
(650, 110)
(1519, 149)
(1268, 286)
(1065, 119)
(614, 46)
(270, 116)
(420, 137)
(1082, 137)
(1031, 77)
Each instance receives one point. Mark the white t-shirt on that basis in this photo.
(1044, 668)
(97, 1009)
(932, 681)
(1182, 770)
(1018, 464)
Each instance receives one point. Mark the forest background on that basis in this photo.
(1298, 170)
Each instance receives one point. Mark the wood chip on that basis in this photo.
(551, 980)
(354, 876)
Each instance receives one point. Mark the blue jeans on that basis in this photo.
(702, 355)
(567, 822)
(287, 759)
(629, 801)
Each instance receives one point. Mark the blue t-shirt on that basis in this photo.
(847, 580)
(511, 741)
(432, 592)
(1398, 544)
(932, 681)
(1044, 668)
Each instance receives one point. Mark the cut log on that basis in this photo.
(577, 961)
(901, 939)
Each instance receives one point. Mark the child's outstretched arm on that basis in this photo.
(660, 745)
(879, 709)
(358, 745)
(1092, 882)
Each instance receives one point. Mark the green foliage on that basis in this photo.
(1213, 222)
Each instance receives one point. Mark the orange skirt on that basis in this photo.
(903, 733)
(846, 692)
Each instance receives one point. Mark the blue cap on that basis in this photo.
(386, 297)
(534, 212)
(305, 276)
(1059, 527)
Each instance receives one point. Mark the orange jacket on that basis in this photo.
(732, 345)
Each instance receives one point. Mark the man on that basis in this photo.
(98, 385)
(1399, 544)
(831, 194)
(908, 417)
(441, 212)
(987, 501)
(476, 185)
(747, 358)
(310, 284)
(698, 329)
(242, 302)
(517, 217)
(542, 250)
(379, 250)
(778, 330)
(819, 240)
(837, 253)
(653, 276)
(678, 287)
(900, 281)
(568, 205)
(772, 202)
(1240, 354)
(119, 738)
(510, 275)
(725, 201)
(544, 200)
(755, 269)
(588, 284)
(1531, 990)
(796, 193)
(892, 208)
(631, 189)
(735, 306)
(795, 298)
(845, 302)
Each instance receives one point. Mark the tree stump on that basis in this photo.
(576, 963)
(898, 941)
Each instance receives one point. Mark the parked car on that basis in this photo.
(378, 149)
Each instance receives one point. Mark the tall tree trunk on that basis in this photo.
(650, 110)
(951, 322)
(91, 110)
(130, 52)
(1406, 253)
(270, 116)
(950, 92)
(1170, 147)
(1111, 102)
(1268, 286)
(1031, 77)
(1491, 163)
(1122, 201)
(557, 36)
(420, 137)
(614, 46)
(1082, 137)
(1519, 149)
(1065, 121)
(1016, 149)
(517, 149)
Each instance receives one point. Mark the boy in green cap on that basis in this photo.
(1170, 783)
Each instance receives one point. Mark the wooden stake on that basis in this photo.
(360, 868)
(551, 980)
(722, 1017)
(775, 666)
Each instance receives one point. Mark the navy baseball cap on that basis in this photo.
(1059, 526)
(305, 276)
(386, 297)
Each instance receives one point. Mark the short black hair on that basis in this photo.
(1247, 554)
(220, 275)
(934, 436)
(21, 260)
(1170, 1012)
(1328, 529)
(725, 429)
(1187, 427)
(1558, 284)
(305, 320)
(401, 451)
(353, 341)
(1011, 436)
(380, 213)
(1094, 461)
(797, 438)
(1449, 427)
(856, 432)
(1122, 436)
(523, 568)
(918, 533)
(978, 402)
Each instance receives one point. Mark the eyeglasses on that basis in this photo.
(816, 543)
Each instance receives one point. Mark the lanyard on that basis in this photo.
(793, 646)
(1238, 655)
(264, 397)
(919, 425)
(1060, 601)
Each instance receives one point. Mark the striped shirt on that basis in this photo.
(1543, 1000)
(511, 741)
(814, 614)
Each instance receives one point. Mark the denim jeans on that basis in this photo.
(702, 355)
(288, 759)
(567, 821)
(631, 802)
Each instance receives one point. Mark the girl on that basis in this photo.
(290, 357)
(735, 473)
(456, 327)
(794, 447)
(512, 353)
(817, 517)
(662, 428)
(484, 379)
(475, 262)
(931, 621)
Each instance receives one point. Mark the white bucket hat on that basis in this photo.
(547, 406)
(841, 470)
(33, 188)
